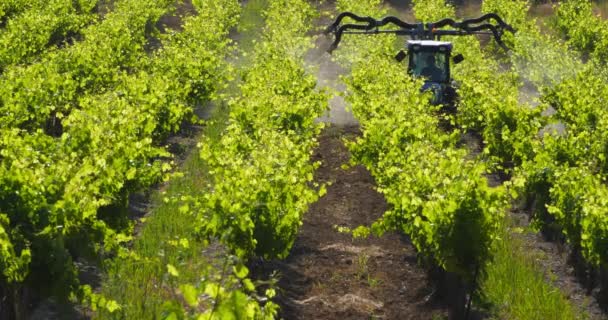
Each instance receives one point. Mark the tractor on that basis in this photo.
(429, 57)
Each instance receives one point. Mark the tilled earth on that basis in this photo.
(328, 275)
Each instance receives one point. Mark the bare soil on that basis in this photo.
(328, 275)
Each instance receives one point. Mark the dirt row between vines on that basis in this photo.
(328, 275)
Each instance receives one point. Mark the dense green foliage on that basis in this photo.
(165, 275)
(81, 129)
(11, 7)
(583, 30)
(260, 177)
(565, 170)
(87, 99)
(46, 24)
(261, 173)
(432, 11)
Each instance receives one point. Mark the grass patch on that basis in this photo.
(250, 28)
(140, 283)
(515, 287)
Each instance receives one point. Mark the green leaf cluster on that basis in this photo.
(45, 25)
(584, 30)
(220, 295)
(433, 10)
(13, 7)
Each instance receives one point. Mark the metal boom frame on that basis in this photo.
(419, 31)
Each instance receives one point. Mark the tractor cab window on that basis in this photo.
(430, 65)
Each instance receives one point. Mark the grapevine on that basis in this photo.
(82, 129)
(261, 174)
(260, 167)
(45, 25)
(440, 199)
(565, 171)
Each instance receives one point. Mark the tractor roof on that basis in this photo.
(429, 44)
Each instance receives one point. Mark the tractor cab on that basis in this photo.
(430, 60)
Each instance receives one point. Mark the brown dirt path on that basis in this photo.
(328, 275)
